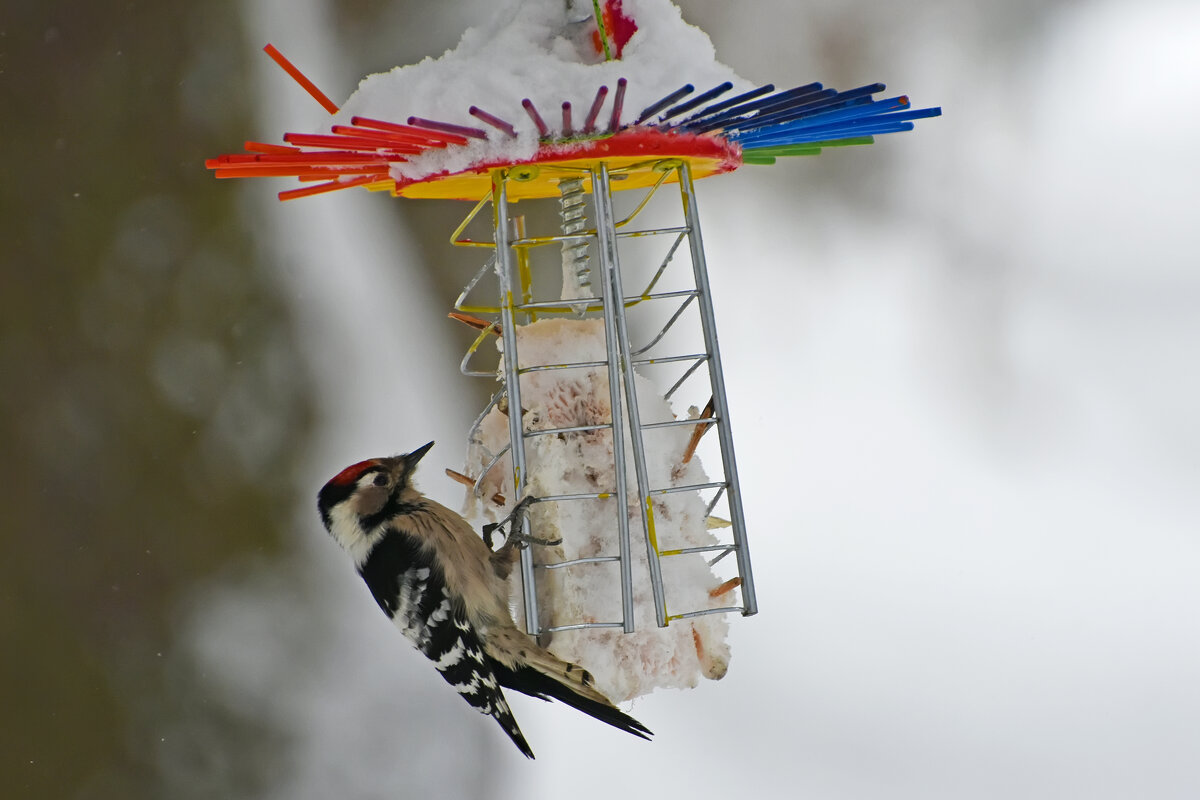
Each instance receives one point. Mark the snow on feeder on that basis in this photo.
(584, 109)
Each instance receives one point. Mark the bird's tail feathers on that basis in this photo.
(545, 676)
(504, 716)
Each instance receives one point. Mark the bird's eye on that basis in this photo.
(380, 480)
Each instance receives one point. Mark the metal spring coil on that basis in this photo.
(573, 211)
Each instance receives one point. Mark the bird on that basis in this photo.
(447, 591)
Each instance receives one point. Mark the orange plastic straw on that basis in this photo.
(332, 186)
(298, 76)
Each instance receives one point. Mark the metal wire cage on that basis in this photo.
(602, 295)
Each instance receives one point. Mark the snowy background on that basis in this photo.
(963, 374)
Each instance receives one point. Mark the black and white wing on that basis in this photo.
(410, 587)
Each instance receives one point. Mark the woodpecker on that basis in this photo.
(447, 592)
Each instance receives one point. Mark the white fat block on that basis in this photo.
(625, 665)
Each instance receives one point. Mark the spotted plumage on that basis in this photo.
(445, 590)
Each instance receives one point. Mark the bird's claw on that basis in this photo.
(517, 515)
(524, 540)
(511, 527)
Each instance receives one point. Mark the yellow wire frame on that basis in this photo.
(454, 237)
(524, 271)
(665, 166)
(490, 330)
(666, 170)
(652, 534)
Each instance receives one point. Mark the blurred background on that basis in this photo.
(962, 367)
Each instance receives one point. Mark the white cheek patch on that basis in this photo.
(349, 534)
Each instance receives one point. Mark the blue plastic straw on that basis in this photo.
(800, 96)
(860, 107)
(659, 105)
(779, 100)
(803, 131)
(805, 127)
(784, 135)
(779, 113)
(724, 104)
(699, 99)
(832, 134)
(800, 111)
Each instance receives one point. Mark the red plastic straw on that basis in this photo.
(263, 147)
(324, 157)
(391, 139)
(298, 171)
(348, 142)
(298, 76)
(408, 130)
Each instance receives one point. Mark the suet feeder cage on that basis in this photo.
(589, 374)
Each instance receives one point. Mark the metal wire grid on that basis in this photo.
(510, 262)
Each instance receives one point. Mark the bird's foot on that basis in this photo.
(511, 527)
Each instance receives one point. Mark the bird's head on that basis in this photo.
(359, 498)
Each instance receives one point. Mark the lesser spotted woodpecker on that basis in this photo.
(447, 592)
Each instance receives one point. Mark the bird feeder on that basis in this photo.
(581, 419)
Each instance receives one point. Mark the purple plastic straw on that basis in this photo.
(589, 124)
(493, 120)
(618, 103)
(543, 129)
(566, 128)
(446, 127)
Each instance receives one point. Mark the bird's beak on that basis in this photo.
(412, 458)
